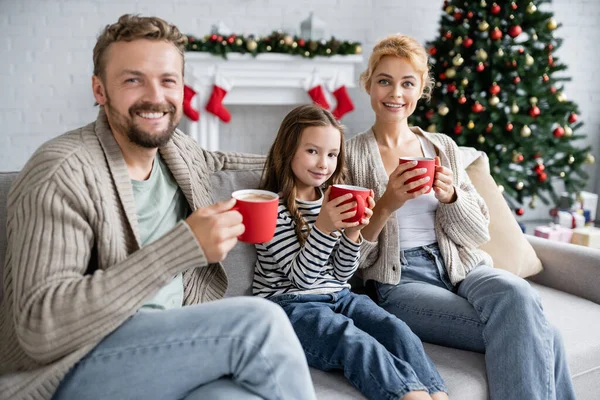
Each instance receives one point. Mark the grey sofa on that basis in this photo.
(569, 287)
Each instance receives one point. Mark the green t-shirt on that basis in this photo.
(160, 205)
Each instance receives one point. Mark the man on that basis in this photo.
(113, 244)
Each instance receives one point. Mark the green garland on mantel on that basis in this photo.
(277, 42)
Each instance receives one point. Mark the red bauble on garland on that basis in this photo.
(480, 67)
(514, 31)
(468, 42)
(509, 127)
(429, 114)
(559, 132)
(432, 51)
(458, 129)
(495, 10)
(496, 34)
(477, 107)
(543, 177)
(516, 79)
(494, 89)
(519, 211)
(534, 111)
(572, 118)
(451, 88)
(462, 100)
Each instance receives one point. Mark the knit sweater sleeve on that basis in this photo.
(465, 221)
(219, 160)
(60, 306)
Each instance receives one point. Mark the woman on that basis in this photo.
(427, 267)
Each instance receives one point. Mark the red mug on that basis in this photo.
(259, 214)
(422, 162)
(359, 194)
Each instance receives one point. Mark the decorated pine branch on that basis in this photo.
(500, 89)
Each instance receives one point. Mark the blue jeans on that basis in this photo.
(493, 312)
(377, 352)
(237, 348)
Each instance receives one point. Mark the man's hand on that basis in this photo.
(216, 228)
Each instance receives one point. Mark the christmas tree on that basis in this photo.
(499, 89)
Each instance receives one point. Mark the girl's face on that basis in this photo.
(395, 89)
(316, 158)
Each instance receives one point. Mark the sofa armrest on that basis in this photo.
(567, 267)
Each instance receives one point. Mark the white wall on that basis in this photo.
(46, 53)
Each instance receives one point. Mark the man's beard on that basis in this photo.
(135, 134)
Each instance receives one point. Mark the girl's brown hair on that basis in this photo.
(278, 176)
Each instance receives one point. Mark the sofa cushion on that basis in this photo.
(6, 179)
(508, 246)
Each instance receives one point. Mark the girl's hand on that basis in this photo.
(353, 233)
(443, 184)
(396, 193)
(333, 213)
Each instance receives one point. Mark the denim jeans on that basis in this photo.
(493, 312)
(376, 351)
(237, 348)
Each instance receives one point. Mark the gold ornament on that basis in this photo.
(533, 100)
(531, 8)
(294, 45)
(500, 52)
(224, 42)
(551, 25)
(520, 185)
(450, 73)
(358, 50)
(525, 131)
(451, 53)
(494, 100)
(458, 41)
(251, 45)
(532, 202)
(534, 36)
(529, 60)
(568, 131)
(239, 41)
(483, 26)
(471, 125)
(438, 84)
(269, 48)
(458, 60)
(562, 174)
(504, 149)
(443, 110)
(307, 54)
(481, 139)
(328, 51)
(432, 128)
(449, 10)
(589, 159)
(464, 82)
(571, 160)
(483, 3)
(561, 97)
(514, 108)
(501, 188)
(481, 54)
(288, 40)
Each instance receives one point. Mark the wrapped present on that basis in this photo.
(554, 232)
(570, 219)
(588, 201)
(587, 236)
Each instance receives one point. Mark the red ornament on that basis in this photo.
(448, 35)
(451, 88)
(519, 158)
(572, 118)
(496, 34)
(301, 42)
(477, 107)
(549, 47)
(462, 100)
(480, 67)
(230, 39)
(550, 61)
(458, 16)
(514, 31)
(513, 5)
(521, 50)
(220, 38)
(458, 129)
(543, 177)
(213, 37)
(489, 127)
(539, 168)
(559, 132)
(468, 42)
(432, 51)
(429, 114)
(516, 79)
(443, 76)
(494, 89)
(534, 111)
(545, 78)
(519, 211)
(509, 127)
(495, 9)
(470, 14)
(552, 90)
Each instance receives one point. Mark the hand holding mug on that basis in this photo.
(443, 184)
(353, 232)
(334, 213)
(401, 187)
(216, 228)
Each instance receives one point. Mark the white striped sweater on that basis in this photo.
(323, 265)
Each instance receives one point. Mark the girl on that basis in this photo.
(306, 266)
(427, 268)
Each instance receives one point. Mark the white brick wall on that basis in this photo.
(46, 53)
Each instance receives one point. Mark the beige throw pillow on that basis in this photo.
(508, 246)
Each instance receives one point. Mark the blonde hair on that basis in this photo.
(133, 27)
(401, 46)
(278, 175)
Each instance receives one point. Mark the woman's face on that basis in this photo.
(395, 89)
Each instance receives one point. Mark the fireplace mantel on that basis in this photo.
(267, 79)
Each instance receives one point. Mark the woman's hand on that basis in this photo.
(396, 193)
(353, 233)
(332, 215)
(443, 184)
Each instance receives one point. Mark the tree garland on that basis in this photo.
(277, 42)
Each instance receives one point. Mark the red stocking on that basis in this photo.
(188, 110)
(344, 102)
(316, 93)
(215, 103)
